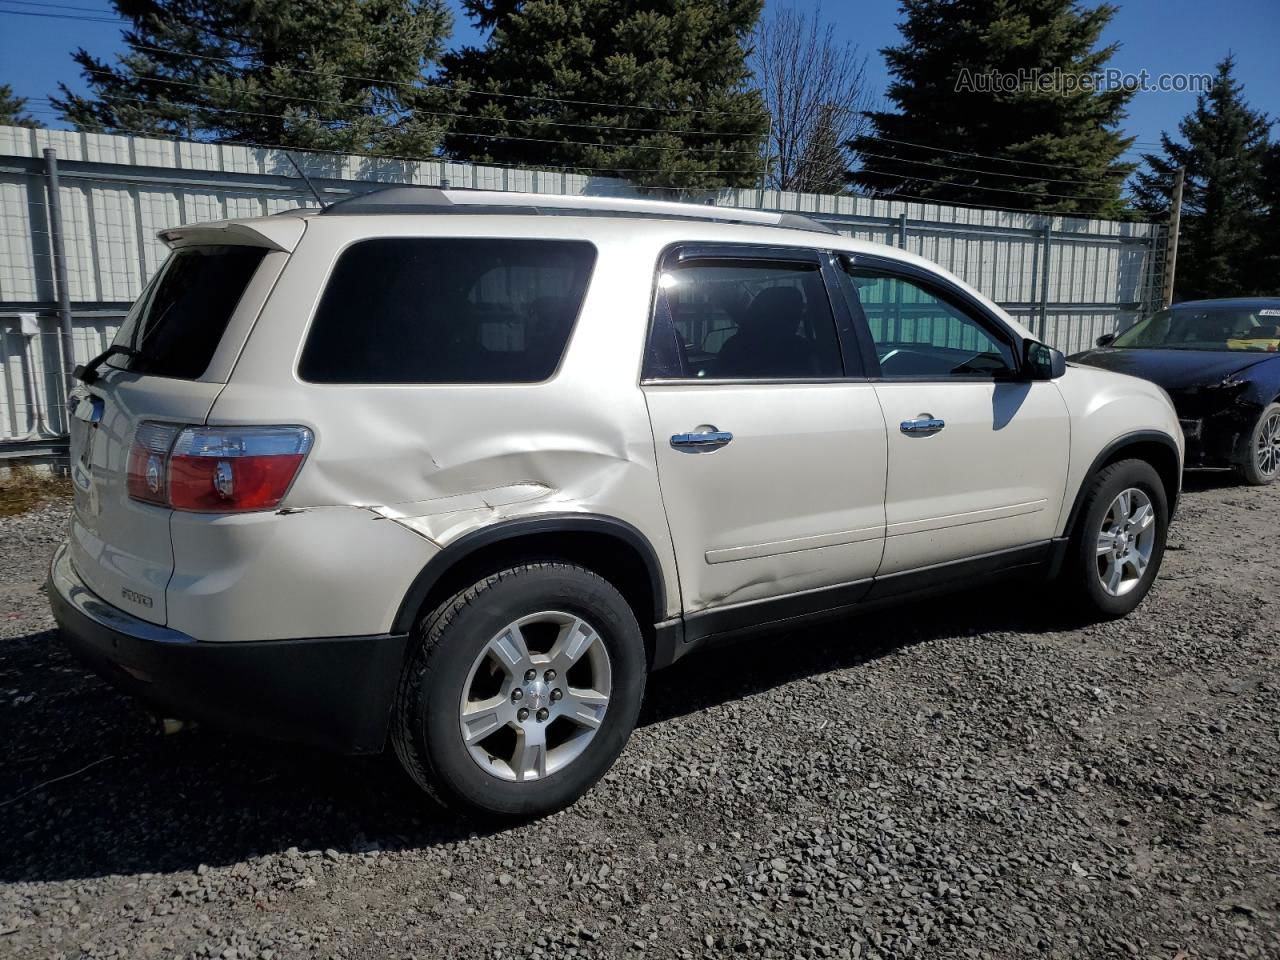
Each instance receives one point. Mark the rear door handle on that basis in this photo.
(923, 424)
(702, 440)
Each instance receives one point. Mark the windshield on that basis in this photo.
(1255, 328)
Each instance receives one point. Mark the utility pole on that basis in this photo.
(60, 270)
(1171, 242)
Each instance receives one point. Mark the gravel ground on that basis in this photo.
(974, 778)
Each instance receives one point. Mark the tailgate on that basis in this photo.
(119, 546)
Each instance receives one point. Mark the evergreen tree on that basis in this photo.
(654, 91)
(1054, 148)
(1226, 145)
(13, 109)
(1265, 269)
(344, 75)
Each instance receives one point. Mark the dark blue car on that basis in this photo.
(1220, 362)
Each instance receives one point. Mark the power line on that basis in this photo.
(963, 153)
(59, 16)
(989, 173)
(59, 6)
(952, 183)
(488, 136)
(532, 168)
(466, 91)
(560, 100)
(416, 110)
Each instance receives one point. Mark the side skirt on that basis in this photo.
(710, 628)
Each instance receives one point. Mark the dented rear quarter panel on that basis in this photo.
(442, 460)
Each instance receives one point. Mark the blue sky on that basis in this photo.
(1161, 36)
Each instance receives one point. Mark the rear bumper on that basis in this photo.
(331, 692)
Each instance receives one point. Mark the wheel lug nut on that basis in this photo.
(517, 694)
(522, 714)
(530, 676)
(556, 694)
(542, 714)
(549, 676)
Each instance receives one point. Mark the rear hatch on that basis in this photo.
(187, 328)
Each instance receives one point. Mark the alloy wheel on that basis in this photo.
(1268, 450)
(1125, 541)
(535, 696)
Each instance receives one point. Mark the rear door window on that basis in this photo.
(178, 322)
(747, 320)
(447, 310)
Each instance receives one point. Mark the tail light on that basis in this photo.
(215, 469)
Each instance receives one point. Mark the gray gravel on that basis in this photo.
(974, 777)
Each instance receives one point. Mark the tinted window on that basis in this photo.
(179, 320)
(447, 311)
(742, 321)
(919, 333)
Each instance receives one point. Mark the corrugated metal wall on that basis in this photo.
(118, 192)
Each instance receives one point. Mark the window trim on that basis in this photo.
(342, 250)
(686, 252)
(946, 291)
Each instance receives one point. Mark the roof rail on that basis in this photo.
(434, 200)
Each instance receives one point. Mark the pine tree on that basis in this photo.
(343, 75)
(1264, 272)
(655, 91)
(13, 109)
(1226, 145)
(1029, 144)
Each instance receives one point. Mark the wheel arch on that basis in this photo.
(1156, 448)
(610, 547)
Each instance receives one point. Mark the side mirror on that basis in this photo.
(1042, 362)
(1105, 339)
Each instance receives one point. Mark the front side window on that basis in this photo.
(918, 333)
(447, 310)
(742, 320)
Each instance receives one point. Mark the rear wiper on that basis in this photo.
(87, 373)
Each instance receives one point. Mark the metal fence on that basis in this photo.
(1069, 279)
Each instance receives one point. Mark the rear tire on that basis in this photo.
(520, 691)
(1115, 551)
(1262, 463)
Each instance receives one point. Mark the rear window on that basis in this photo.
(415, 310)
(179, 320)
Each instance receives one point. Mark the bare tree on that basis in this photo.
(815, 87)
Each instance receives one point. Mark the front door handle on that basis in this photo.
(923, 424)
(702, 439)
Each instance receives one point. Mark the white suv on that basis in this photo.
(457, 470)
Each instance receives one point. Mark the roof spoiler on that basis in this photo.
(274, 233)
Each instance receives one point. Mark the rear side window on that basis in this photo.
(447, 310)
(742, 320)
(179, 320)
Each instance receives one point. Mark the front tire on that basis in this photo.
(1116, 550)
(520, 691)
(1262, 463)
